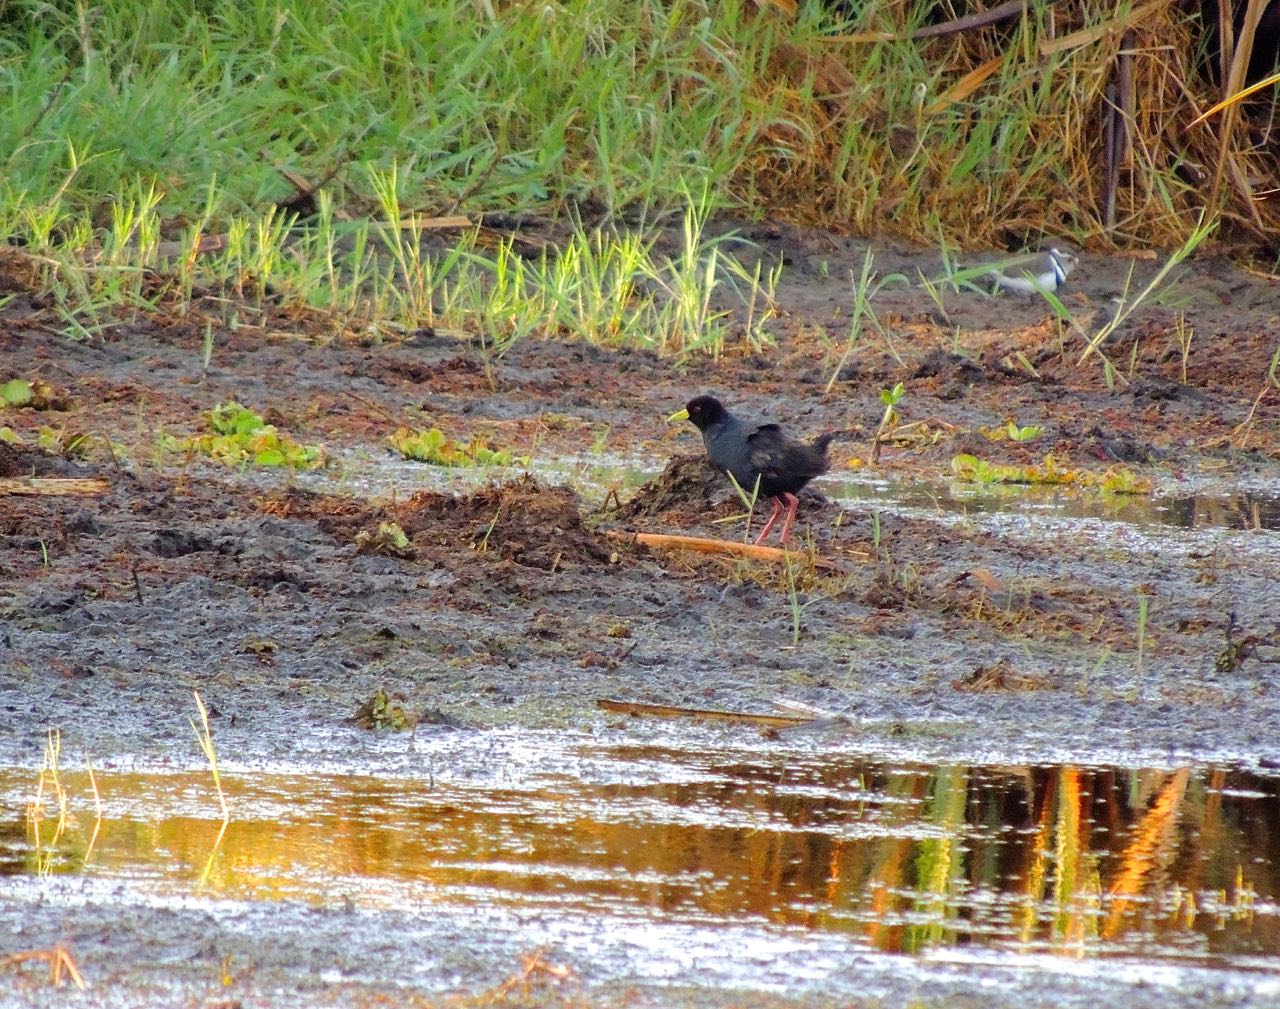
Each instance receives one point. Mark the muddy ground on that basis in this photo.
(951, 637)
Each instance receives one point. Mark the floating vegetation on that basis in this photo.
(1115, 480)
(435, 448)
(242, 437)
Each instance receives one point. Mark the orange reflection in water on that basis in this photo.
(1072, 860)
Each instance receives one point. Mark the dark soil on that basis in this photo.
(157, 586)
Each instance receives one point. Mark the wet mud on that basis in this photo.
(947, 624)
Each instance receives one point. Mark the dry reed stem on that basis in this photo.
(1168, 173)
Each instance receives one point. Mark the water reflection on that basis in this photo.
(1246, 510)
(1076, 861)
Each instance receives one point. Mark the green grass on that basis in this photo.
(625, 104)
(134, 130)
(622, 105)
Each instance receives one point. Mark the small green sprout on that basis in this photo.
(1027, 433)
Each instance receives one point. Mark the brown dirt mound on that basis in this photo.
(341, 517)
(20, 460)
(523, 521)
(688, 483)
(690, 492)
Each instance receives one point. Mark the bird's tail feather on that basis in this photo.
(823, 440)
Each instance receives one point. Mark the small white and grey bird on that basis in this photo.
(1050, 270)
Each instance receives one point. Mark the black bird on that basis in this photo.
(751, 450)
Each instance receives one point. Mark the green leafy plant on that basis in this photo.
(1115, 480)
(34, 393)
(16, 392)
(241, 437)
(1013, 432)
(389, 539)
(890, 398)
(435, 448)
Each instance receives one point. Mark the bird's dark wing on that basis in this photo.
(767, 449)
(784, 465)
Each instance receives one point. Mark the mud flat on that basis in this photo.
(1051, 780)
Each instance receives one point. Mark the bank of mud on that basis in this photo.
(1000, 637)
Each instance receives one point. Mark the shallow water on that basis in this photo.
(1175, 865)
(1211, 505)
(1212, 508)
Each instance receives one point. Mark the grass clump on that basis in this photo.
(240, 437)
(860, 116)
(623, 104)
(161, 158)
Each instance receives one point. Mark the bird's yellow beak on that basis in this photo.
(678, 415)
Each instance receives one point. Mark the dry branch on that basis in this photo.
(35, 486)
(663, 541)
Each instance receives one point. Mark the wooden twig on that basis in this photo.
(58, 958)
(37, 486)
(699, 544)
(980, 19)
(434, 223)
(1125, 97)
(1111, 163)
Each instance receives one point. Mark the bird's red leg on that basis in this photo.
(792, 501)
(777, 507)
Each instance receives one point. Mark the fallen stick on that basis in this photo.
(58, 958)
(37, 486)
(664, 541)
(414, 223)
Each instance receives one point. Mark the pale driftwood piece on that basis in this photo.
(47, 486)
